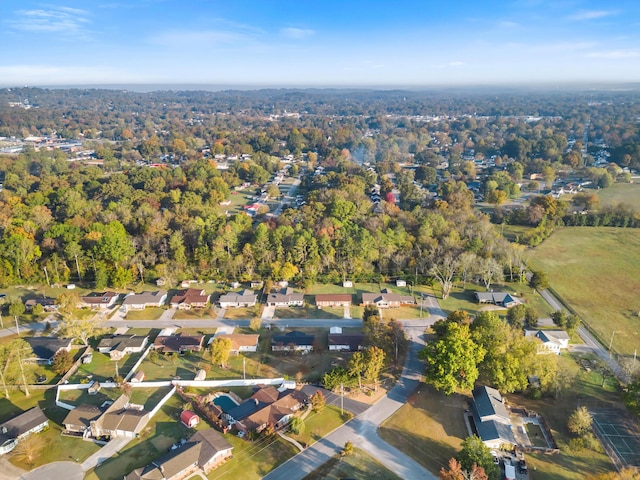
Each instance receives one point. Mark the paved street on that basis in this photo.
(363, 430)
(591, 345)
(56, 471)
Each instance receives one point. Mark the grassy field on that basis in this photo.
(627, 193)
(241, 313)
(102, 367)
(595, 270)
(463, 298)
(195, 314)
(309, 310)
(358, 465)
(317, 425)
(149, 313)
(430, 427)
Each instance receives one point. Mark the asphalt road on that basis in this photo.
(56, 471)
(362, 431)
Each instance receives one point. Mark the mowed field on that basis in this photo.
(597, 272)
(627, 193)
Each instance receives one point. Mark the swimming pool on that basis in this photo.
(224, 402)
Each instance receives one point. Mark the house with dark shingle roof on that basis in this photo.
(551, 341)
(45, 348)
(333, 300)
(245, 298)
(78, 420)
(21, 426)
(387, 299)
(178, 343)
(118, 346)
(295, 341)
(491, 418)
(204, 451)
(98, 300)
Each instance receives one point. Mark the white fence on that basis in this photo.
(135, 367)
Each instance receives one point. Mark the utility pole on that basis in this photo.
(47, 275)
(341, 399)
(17, 326)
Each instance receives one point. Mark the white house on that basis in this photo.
(140, 301)
(551, 341)
(245, 298)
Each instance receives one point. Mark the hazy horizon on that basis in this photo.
(375, 44)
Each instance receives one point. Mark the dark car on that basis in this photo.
(522, 466)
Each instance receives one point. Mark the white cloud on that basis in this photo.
(297, 33)
(61, 20)
(592, 14)
(615, 54)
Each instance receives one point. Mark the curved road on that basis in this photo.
(362, 431)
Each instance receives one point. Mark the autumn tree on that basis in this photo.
(80, 328)
(580, 421)
(220, 350)
(456, 472)
(318, 401)
(62, 362)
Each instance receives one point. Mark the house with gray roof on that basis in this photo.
(45, 348)
(501, 299)
(551, 341)
(204, 451)
(121, 419)
(285, 298)
(21, 426)
(491, 418)
(245, 298)
(117, 346)
(140, 301)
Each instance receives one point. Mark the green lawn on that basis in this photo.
(149, 313)
(243, 313)
(405, 312)
(309, 310)
(195, 314)
(102, 367)
(463, 299)
(595, 270)
(429, 427)
(627, 193)
(319, 424)
(359, 465)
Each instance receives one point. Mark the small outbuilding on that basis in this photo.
(189, 419)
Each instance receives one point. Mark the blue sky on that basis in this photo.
(319, 43)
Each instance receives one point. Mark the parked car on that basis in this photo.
(522, 466)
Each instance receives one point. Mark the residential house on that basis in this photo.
(118, 346)
(49, 304)
(344, 342)
(189, 298)
(78, 421)
(20, 427)
(140, 301)
(333, 300)
(285, 298)
(45, 348)
(99, 300)
(240, 342)
(502, 299)
(178, 343)
(189, 419)
(551, 341)
(294, 341)
(491, 418)
(387, 299)
(267, 406)
(121, 420)
(204, 451)
(245, 298)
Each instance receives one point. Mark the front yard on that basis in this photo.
(319, 424)
(149, 313)
(358, 465)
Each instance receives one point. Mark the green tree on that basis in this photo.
(516, 315)
(374, 358)
(539, 281)
(475, 453)
(297, 425)
(452, 360)
(16, 309)
(62, 362)
(81, 329)
(220, 350)
(531, 316)
(357, 365)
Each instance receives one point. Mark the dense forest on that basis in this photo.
(116, 221)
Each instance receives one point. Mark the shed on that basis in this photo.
(88, 358)
(201, 375)
(401, 283)
(138, 377)
(94, 388)
(189, 419)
